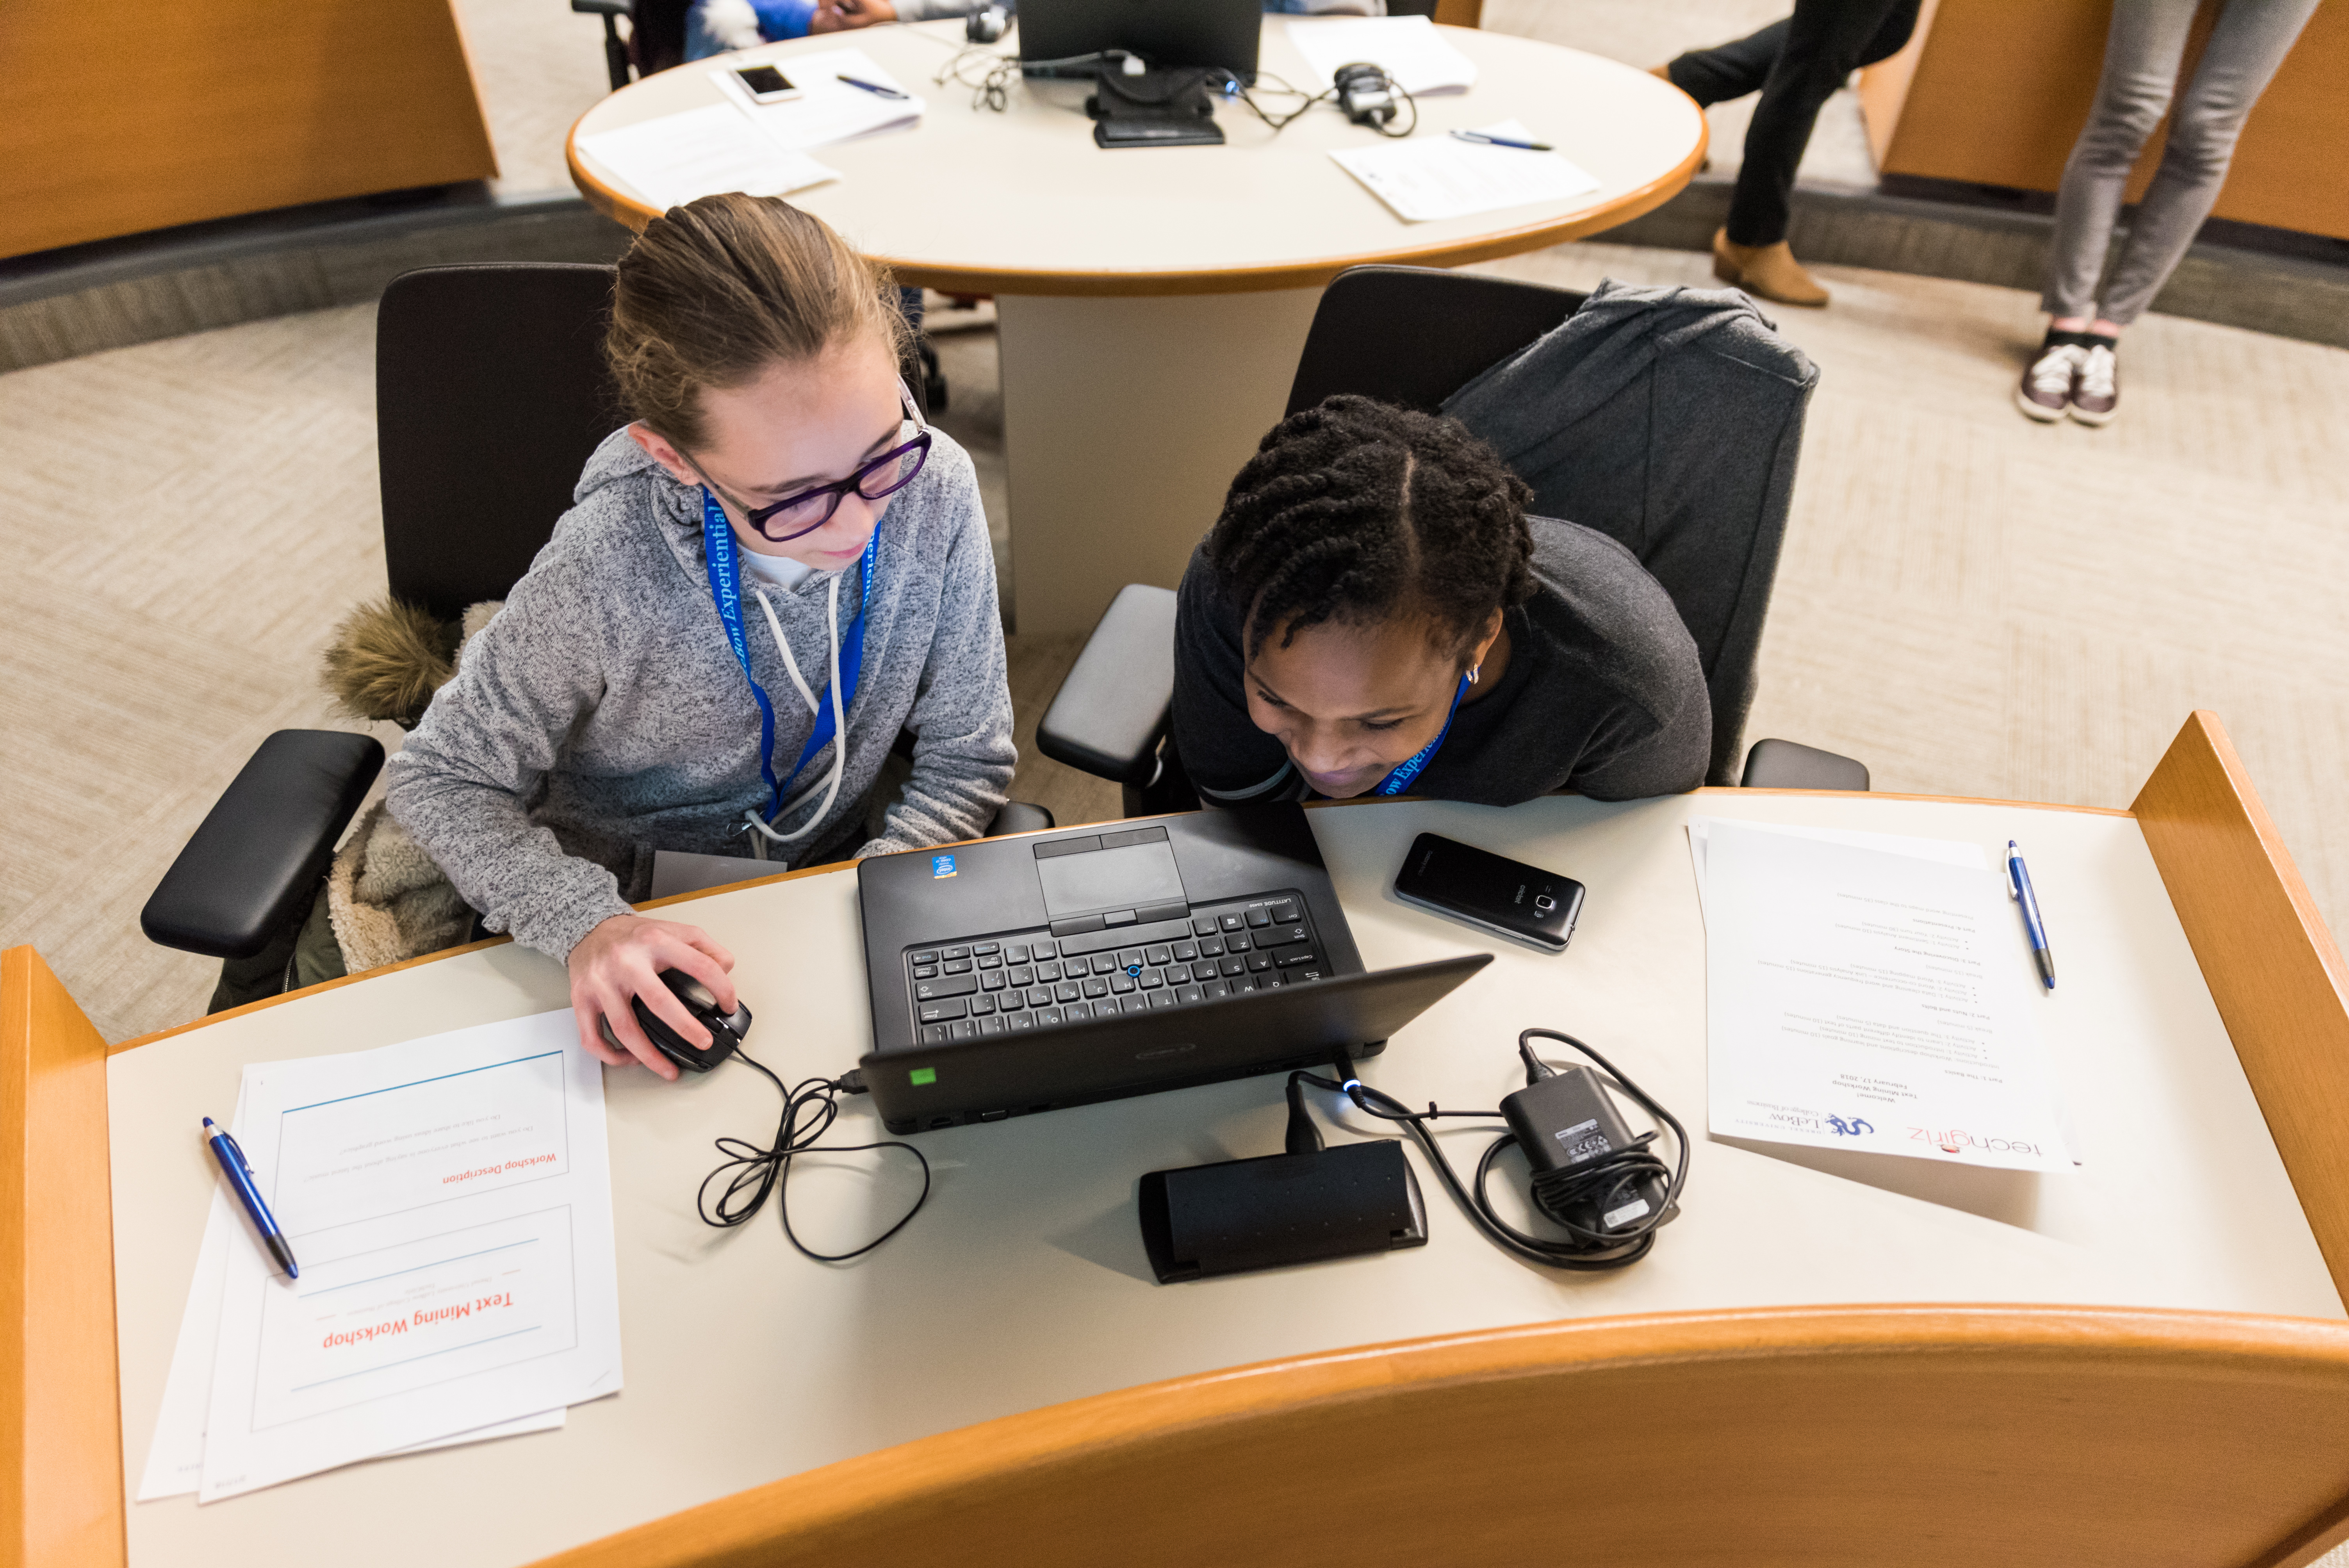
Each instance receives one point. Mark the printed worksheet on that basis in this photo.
(827, 108)
(1858, 998)
(701, 152)
(448, 1202)
(1425, 177)
(175, 1455)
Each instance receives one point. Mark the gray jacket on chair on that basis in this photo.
(1670, 419)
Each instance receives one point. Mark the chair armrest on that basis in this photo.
(1785, 765)
(1108, 714)
(1020, 817)
(258, 856)
(605, 7)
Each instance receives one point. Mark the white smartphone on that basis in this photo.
(765, 84)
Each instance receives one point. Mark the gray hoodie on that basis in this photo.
(601, 715)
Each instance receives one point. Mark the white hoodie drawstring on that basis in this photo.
(762, 833)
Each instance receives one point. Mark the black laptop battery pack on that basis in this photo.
(1244, 1215)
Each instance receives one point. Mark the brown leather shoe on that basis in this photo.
(1769, 271)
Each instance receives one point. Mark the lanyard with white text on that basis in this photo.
(726, 588)
(1411, 766)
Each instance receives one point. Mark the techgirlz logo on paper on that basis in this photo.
(1956, 1140)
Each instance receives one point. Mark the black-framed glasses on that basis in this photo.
(796, 516)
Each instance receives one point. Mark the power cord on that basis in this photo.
(1001, 73)
(809, 1109)
(1617, 1177)
(1280, 88)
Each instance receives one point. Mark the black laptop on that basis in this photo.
(1215, 33)
(1016, 976)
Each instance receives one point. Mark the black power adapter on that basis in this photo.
(1592, 1176)
(1573, 1138)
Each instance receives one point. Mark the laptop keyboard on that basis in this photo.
(1033, 980)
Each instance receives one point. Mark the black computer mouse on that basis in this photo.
(726, 1029)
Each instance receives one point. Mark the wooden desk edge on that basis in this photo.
(1065, 284)
(2273, 969)
(61, 1498)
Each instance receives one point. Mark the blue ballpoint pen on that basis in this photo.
(874, 87)
(1484, 141)
(240, 1176)
(2018, 883)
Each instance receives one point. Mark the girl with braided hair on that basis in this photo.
(1376, 613)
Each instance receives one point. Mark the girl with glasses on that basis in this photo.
(773, 570)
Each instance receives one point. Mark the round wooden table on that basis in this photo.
(1153, 302)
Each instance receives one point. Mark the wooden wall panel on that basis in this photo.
(119, 123)
(2274, 970)
(1995, 93)
(60, 1405)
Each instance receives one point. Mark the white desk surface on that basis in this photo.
(1023, 1283)
(1027, 191)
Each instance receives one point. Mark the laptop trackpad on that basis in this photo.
(1123, 876)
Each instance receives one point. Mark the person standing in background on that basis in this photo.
(2076, 369)
(1797, 65)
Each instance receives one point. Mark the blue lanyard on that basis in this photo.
(726, 588)
(1411, 766)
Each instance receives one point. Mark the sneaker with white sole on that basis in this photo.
(2045, 391)
(2097, 394)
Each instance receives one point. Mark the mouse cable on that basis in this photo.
(809, 1109)
(1556, 1193)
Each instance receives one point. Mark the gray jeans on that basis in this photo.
(2141, 59)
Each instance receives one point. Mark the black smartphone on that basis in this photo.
(1490, 892)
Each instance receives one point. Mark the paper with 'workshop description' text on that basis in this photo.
(1863, 999)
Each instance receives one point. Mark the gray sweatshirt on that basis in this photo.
(601, 715)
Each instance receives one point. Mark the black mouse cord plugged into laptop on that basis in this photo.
(809, 1108)
(1598, 1183)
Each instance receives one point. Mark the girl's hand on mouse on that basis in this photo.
(623, 958)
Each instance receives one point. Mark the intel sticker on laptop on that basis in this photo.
(941, 866)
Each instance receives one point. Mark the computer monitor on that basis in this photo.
(1216, 34)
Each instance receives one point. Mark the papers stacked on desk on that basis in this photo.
(448, 1202)
(827, 110)
(1870, 992)
(1413, 55)
(702, 152)
(1426, 177)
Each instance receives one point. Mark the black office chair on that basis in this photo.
(1415, 336)
(491, 393)
(656, 39)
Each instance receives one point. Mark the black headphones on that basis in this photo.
(986, 24)
(1366, 93)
